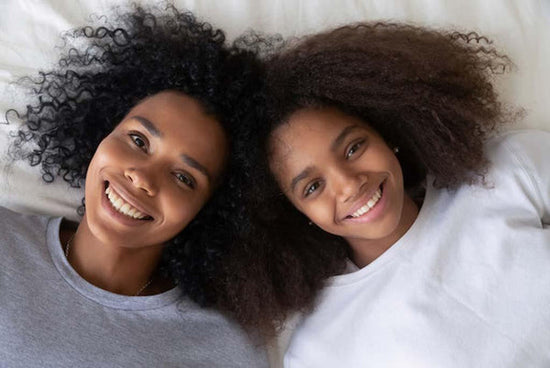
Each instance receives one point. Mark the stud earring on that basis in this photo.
(396, 149)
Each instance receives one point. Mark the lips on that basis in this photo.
(123, 206)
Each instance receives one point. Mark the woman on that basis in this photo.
(410, 234)
(141, 110)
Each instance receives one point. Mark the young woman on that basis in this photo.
(385, 206)
(141, 110)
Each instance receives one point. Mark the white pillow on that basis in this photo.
(30, 30)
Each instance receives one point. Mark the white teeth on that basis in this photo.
(123, 207)
(370, 204)
(118, 203)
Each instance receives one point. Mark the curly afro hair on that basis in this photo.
(429, 92)
(105, 70)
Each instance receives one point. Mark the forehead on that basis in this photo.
(184, 126)
(306, 126)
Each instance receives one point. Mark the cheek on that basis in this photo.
(397, 172)
(93, 171)
(180, 208)
(106, 154)
(320, 211)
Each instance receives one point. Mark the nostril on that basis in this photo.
(129, 176)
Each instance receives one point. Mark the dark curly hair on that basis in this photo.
(429, 92)
(106, 70)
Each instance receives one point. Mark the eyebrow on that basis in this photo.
(302, 175)
(343, 134)
(147, 124)
(195, 164)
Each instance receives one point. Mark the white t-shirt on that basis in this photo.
(467, 286)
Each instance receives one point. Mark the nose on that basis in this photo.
(141, 179)
(347, 183)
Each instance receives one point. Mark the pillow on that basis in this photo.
(30, 32)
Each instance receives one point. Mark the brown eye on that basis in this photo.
(186, 179)
(354, 148)
(138, 141)
(310, 189)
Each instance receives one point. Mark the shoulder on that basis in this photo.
(520, 158)
(15, 220)
(524, 148)
(525, 151)
(17, 228)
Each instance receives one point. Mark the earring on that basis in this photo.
(310, 223)
(396, 149)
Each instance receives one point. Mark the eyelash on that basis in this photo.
(311, 188)
(135, 137)
(354, 148)
(186, 180)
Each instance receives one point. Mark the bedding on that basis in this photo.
(30, 33)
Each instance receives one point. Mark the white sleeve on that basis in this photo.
(532, 149)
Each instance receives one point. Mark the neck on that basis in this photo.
(364, 251)
(112, 267)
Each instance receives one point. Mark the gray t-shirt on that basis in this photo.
(52, 317)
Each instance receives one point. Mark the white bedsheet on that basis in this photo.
(30, 30)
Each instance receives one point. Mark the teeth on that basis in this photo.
(118, 204)
(123, 207)
(370, 204)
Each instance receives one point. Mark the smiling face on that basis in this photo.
(149, 178)
(341, 174)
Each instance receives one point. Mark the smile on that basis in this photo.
(370, 204)
(123, 207)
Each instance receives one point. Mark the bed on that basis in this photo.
(30, 30)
